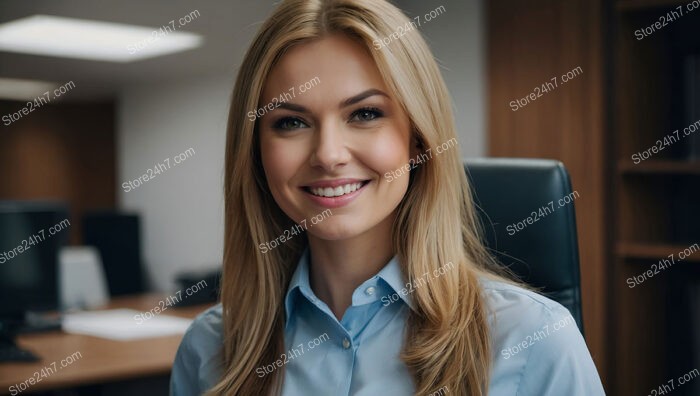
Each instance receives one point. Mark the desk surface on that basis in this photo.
(101, 360)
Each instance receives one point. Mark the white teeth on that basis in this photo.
(336, 192)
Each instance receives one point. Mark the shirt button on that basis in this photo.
(346, 343)
(370, 290)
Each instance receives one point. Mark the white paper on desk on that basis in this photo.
(121, 324)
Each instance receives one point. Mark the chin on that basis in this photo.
(335, 232)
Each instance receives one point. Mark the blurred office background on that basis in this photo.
(114, 119)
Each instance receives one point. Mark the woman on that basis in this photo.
(352, 261)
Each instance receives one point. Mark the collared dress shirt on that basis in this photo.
(537, 348)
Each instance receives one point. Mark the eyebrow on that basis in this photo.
(345, 103)
(362, 96)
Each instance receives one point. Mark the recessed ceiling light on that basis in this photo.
(92, 40)
(18, 89)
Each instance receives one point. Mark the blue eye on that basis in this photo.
(289, 123)
(366, 114)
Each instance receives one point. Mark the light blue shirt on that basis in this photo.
(537, 347)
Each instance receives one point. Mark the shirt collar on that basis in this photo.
(299, 284)
(391, 275)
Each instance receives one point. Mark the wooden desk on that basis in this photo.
(101, 360)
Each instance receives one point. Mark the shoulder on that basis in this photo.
(198, 361)
(513, 308)
(537, 346)
(207, 324)
(520, 318)
(506, 298)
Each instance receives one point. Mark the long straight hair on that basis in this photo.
(447, 338)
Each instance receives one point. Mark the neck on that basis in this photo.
(337, 268)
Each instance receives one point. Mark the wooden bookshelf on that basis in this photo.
(655, 251)
(654, 216)
(659, 167)
(634, 5)
(629, 215)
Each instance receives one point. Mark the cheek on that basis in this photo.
(388, 152)
(385, 155)
(280, 162)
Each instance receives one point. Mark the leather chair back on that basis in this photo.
(526, 207)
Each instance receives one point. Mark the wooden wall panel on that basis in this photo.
(528, 44)
(60, 152)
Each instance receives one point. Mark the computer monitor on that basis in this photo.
(30, 236)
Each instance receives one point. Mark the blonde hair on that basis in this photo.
(447, 343)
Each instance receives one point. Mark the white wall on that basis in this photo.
(182, 221)
(456, 38)
(182, 208)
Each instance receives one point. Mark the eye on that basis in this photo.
(289, 123)
(366, 114)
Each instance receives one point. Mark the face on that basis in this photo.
(332, 134)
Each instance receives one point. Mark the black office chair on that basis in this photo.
(117, 236)
(543, 251)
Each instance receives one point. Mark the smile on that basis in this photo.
(336, 191)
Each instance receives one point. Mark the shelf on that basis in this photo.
(660, 167)
(640, 5)
(654, 251)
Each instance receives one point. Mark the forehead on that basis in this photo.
(343, 66)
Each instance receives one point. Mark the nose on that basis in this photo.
(330, 149)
